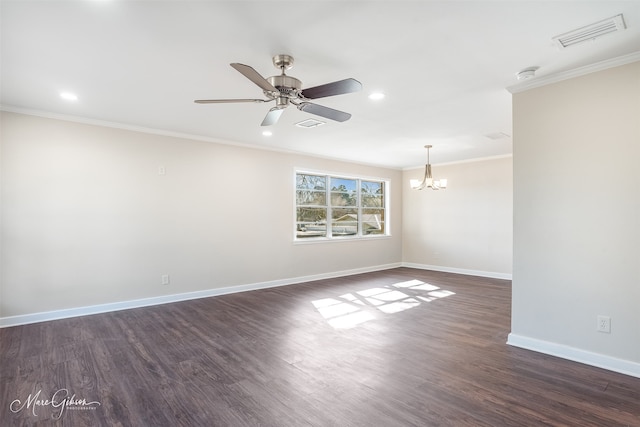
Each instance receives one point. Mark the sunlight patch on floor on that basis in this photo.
(396, 307)
(350, 320)
(352, 309)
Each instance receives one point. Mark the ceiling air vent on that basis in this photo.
(590, 32)
(309, 123)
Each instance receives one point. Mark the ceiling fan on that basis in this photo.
(285, 90)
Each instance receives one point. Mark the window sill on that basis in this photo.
(314, 240)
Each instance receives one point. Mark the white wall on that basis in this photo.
(466, 228)
(577, 218)
(87, 219)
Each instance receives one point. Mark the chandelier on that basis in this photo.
(428, 181)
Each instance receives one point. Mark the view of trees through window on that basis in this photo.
(329, 206)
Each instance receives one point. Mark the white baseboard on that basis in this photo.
(480, 273)
(6, 322)
(626, 367)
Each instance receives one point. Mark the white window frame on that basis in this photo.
(329, 236)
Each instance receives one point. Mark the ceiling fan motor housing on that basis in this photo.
(289, 88)
(286, 85)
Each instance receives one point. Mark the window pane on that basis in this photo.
(344, 192)
(344, 222)
(342, 184)
(311, 182)
(311, 222)
(311, 230)
(372, 194)
(373, 221)
(311, 197)
(369, 187)
(343, 199)
(372, 201)
(311, 215)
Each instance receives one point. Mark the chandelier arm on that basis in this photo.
(422, 183)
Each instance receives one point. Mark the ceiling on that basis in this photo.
(443, 66)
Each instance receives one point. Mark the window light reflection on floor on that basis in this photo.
(352, 309)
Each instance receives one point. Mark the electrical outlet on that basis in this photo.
(164, 279)
(604, 324)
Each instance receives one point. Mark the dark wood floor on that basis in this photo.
(401, 347)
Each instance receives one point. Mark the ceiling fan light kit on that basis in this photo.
(427, 180)
(286, 90)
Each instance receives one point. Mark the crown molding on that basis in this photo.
(172, 134)
(458, 162)
(577, 72)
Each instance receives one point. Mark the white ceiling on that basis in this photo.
(443, 65)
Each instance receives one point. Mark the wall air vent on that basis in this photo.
(590, 32)
(310, 123)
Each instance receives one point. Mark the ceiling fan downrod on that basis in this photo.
(288, 87)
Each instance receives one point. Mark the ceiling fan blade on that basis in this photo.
(326, 112)
(330, 89)
(272, 116)
(254, 76)
(227, 101)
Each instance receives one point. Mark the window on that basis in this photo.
(329, 207)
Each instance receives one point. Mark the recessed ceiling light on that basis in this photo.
(376, 96)
(267, 133)
(68, 96)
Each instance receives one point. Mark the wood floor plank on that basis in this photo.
(401, 347)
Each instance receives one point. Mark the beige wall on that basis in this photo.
(465, 228)
(577, 216)
(87, 219)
